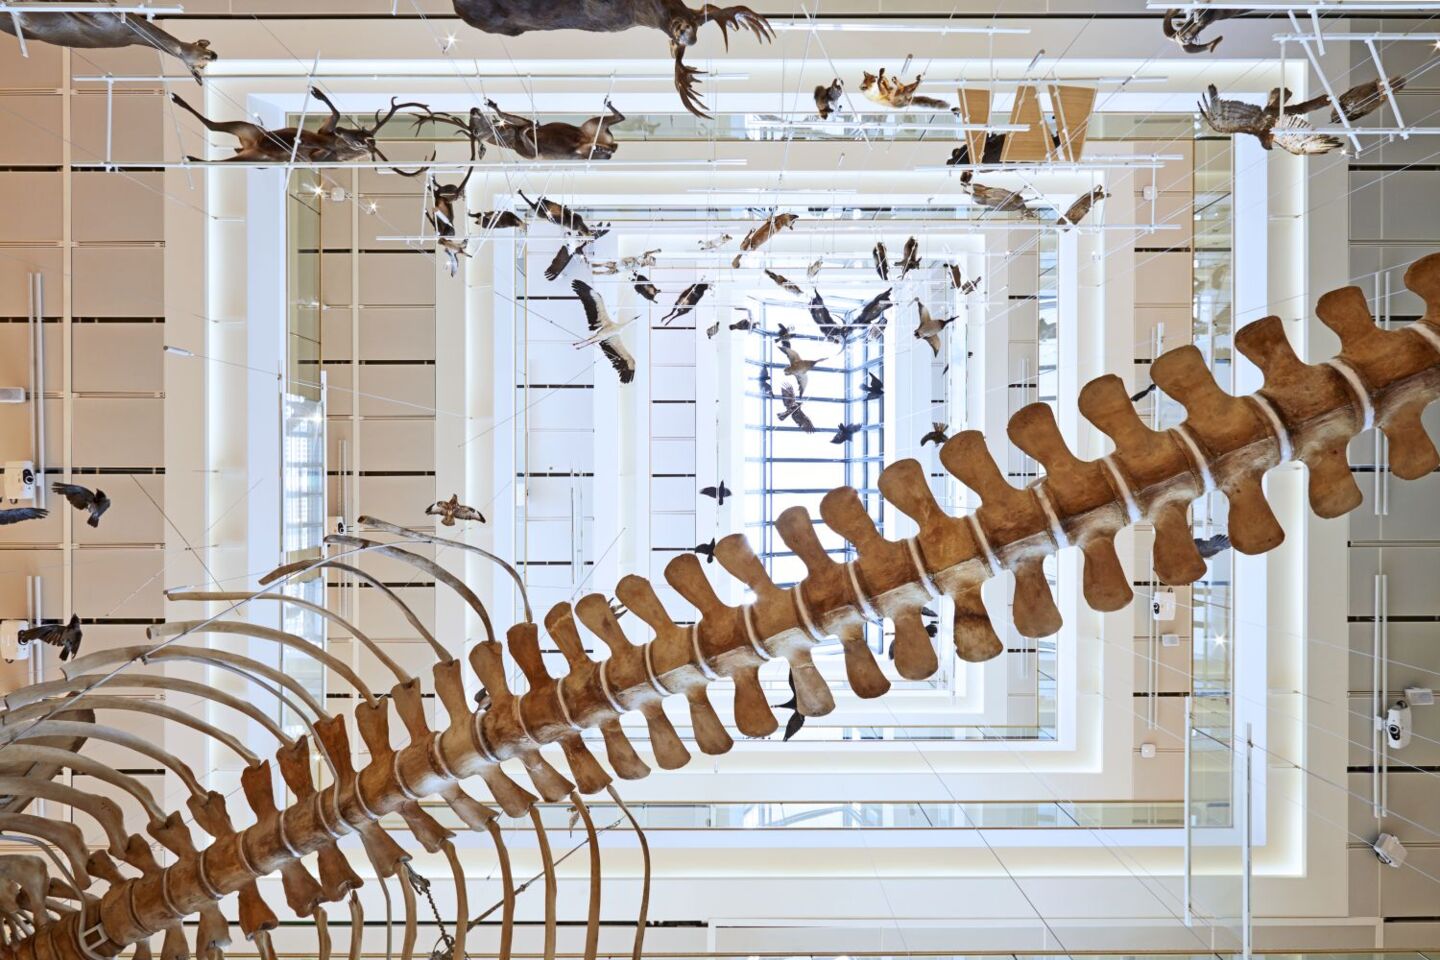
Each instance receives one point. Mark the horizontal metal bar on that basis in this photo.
(445, 74)
(1319, 6)
(141, 9)
(831, 26)
(1356, 37)
(1381, 131)
(439, 167)
(941, 126)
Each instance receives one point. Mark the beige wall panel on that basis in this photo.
(375, 184)
(118, 357)
(401, 391)
(335, 279)
(119, 282)
(1162, 777)
(340, 397)
(119, 584)
(1178, 325)
(1172, 669)
(137, 128)
(15, 566)
(393, 217)
(381, 618)
(335, 340)
(133, 204)
(15, 356)
(40, 70)
(17, 263)
(1176, 209)
(133, 518)
(15, 431)
(119, 432)
(1169, 730)
(335, 223)
(397, 334)
(37, 137)
(1163, 279)
(397, 499)
(397, 444)
(32, 205)
(399, 279)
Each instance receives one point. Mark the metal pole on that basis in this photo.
(1246, 916)
(1185, 812)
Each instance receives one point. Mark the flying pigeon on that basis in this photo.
(845, 431)
(82, 498)
(21, 514)
(65, 636)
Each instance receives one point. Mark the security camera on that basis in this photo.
(1390, 850)
(11, 647)
(1397, 725)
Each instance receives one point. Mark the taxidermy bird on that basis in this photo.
(891, 92)
(1184, 28)
(798, 367)
(929, 328)
(872, 315)
(64, 636)
(1081, 207)
(784, 284)
(757, 238)
(1359, 101)
(958, 281)
(682, 24)
(1136, 398)
(497, 220)
(21, 514)
(717, 243)
(997, 198)
(451, 510)
(562, 259)
(784, 334)
(820, 313)
(742, 325)
(910, 259)
(104, 31)
(711, 330)
(813, 271)
(797, 719)
(686, 302)
(937, 434)
(706, 550)
(718, 494)
(845, 431)
(1212, 546)
(645, 288)
(827, 99)
(604, 331)
(83, 498)
(874, 387)
(881, 256)
(559, 214)
(1236, 116)
(793, 411)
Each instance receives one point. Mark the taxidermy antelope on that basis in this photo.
(329, 143)
(94, 31)
(513, 17)
(1382, 378)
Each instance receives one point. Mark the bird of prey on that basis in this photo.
(1081, 207)
(798, 367)
(1295, 135)
(560, 215)
(937, 434)
(827, 99)
(1237, 116)
(910, 260)
(1359, 101)
(882, 261)
(83, 498)
(797, 719)
(561, 260)
(706, 550)
(717, 243)
(645, 288)
(646, 259)
(872, 315)
(845, 431)
(891, 92)
(65, 636)
(1186, 32)
(686, 302)
(718, 493)
(929, 328)
(793, 411)
(996, 198)
(813, 271)
(1136, 398)
(21, 514)
(451, 510)
(758, 237)
(874, 386)
(820, 313)
(497, 220)
(784, 284)
(604, 331)
(1212, 546)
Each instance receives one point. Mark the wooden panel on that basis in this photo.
(1073, 106)
(1032, 145)
(975, 108)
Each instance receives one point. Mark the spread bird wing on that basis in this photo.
(558, 264)
(469, 513)
(1232, 116)
(21, 514)
(619, 357)
(435, 509)
(595, 313)
(934, 341)
(79, 497)
(1295, 135)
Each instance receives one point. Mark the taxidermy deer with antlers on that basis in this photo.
(95, 31)
(329, 143)
(682, 24)
(1383, 378)
(441, 215)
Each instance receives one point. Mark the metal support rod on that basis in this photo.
(20, 33)
(37, 385)
(1384, 81)
(143, 9)
(1325, 82)
(1377, 711)
(1187, 815)
(110, 122)
(1246, 888)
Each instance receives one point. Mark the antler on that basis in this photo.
(1306, 412)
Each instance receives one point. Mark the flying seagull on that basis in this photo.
(686, 302)
(604, 331)
(65, 636)
(83, 498)
(451, 510)
(717, 493)
(937, 434)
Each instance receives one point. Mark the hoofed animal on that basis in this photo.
(104, 31)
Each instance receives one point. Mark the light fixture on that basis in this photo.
(178, 351)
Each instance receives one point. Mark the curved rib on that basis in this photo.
(88, 765)
(104, 812)
(419, 537)
(644, 913)
(462, 902)
(389, 664)
(429, 566)
(51, 835)
(377, 584)
(78, 728)
(592, 917)
(547, 861)
(100, 701)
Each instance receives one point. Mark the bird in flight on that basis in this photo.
(451, 510)
(717, 493)
(706, 550)
(794, 411)
(882, 262)
(83, 498)
(910, 259)
(1295, 133)
(1137, 397)
(874, 386)
(65, 636)
(872, 315)
(845, 431)
(784, 283)
(798, 367)
(604, 331)
(820, 313)
(686, 302)
(929, 328)
(937, 434)
(21, 514)
(1212, 546)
